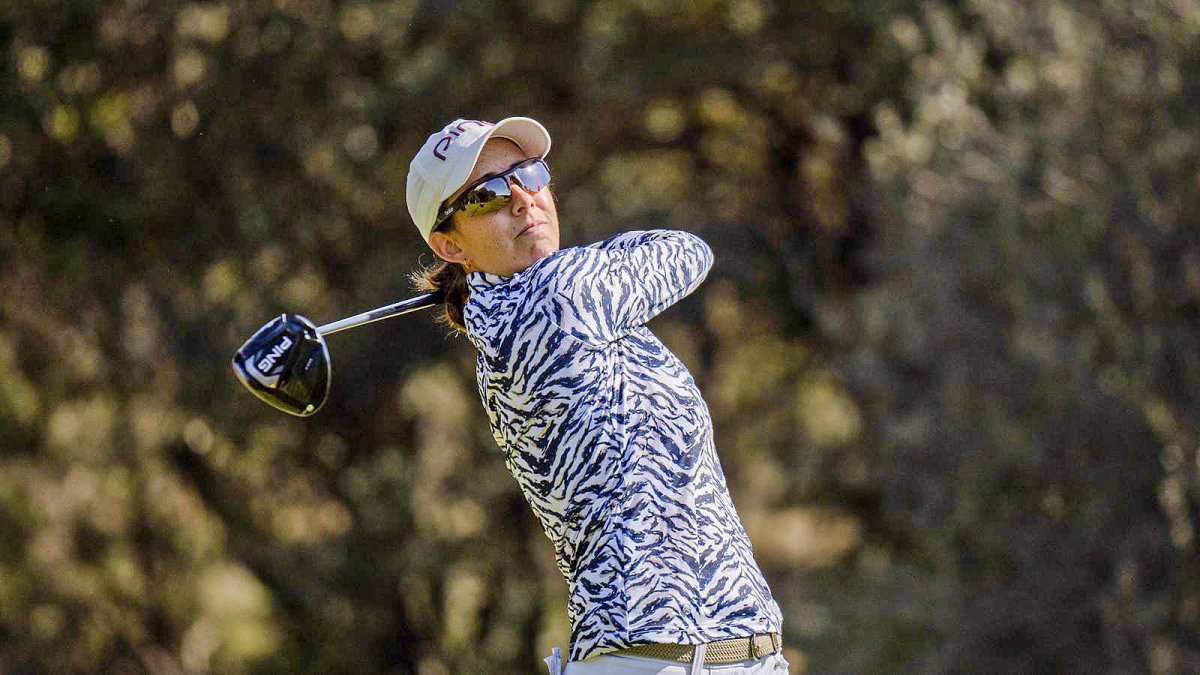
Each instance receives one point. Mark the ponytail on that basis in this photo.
(451, 280)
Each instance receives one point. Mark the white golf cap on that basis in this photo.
(445, 162)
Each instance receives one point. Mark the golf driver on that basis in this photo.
(286, 363)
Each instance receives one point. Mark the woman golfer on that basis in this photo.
(602, 426)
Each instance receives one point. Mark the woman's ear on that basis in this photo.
(447, 249)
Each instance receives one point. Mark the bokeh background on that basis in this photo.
(950, 340)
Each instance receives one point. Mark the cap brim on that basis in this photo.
(525, 132)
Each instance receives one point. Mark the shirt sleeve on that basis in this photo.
(627, 240)
(603, 291)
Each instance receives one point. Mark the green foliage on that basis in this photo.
(950, 342)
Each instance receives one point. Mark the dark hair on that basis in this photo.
(449, 278)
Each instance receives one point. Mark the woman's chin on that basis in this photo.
(541, 248)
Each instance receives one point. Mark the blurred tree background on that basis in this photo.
(950, 342)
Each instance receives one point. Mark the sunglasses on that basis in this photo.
(492, 194)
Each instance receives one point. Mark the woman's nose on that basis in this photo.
(521, 199)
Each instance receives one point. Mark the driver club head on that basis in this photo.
(286, 364)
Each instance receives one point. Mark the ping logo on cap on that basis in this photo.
(454, 132)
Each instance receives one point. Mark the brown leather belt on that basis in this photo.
(716, 653)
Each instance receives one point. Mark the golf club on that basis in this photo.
(286, 362)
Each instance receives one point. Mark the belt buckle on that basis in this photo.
(757, 653)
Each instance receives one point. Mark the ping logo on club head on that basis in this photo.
(268, 360)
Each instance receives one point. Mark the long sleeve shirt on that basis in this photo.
(607, 434)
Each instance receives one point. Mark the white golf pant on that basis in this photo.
(610, 664)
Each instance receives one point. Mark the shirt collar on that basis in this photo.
(479, 281)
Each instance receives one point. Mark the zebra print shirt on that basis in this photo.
(611, 443)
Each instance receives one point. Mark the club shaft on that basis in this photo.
(385, 312)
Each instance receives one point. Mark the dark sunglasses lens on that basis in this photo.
(489, 197)
(534, 177)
